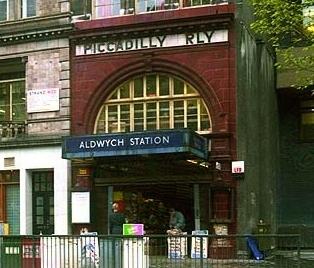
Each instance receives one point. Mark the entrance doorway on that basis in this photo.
(43, 202)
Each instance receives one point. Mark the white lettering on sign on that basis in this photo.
(137, 141)
(174, 40)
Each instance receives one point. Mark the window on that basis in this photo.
(109, 8)
(80, 7)
(307, 120)
(150, 102)
(12, 100)
(10, 200)
(28, 8)
(17, 9)
(3, 10)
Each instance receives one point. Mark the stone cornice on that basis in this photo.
(35, 29)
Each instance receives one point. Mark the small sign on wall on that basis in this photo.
(237, 167)
(80, 207)
(43, 100)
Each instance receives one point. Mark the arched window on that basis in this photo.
(152, 102)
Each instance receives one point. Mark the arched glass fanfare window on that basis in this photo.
(152, 102)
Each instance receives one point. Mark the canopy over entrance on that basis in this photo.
(182, 142)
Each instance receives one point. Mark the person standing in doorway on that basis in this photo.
(177, 220)
(116, 220)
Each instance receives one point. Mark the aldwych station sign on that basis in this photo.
(151, 42)
(136, 143)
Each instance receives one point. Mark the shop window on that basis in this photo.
(307, 120)
(221, 203)
(152, 102)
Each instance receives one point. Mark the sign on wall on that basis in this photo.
(42, 100)
(151, 42)
(237, 167)
(135, 143)
(80, 207)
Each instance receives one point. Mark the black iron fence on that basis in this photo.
(154, 251)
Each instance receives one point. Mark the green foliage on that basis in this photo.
(287, 25)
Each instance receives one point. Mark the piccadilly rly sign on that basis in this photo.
(152, 42)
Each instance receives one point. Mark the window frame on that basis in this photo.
(109, 116)
(11, 101)
(24, 8)
(144, 6)
(7, 10)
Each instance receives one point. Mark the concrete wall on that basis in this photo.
(257, 133)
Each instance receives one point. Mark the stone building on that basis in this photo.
(34, 114)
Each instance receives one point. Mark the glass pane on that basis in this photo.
(39, 201)
(51, 211)
(205, 123)
(192, 114)
(51, 200)
(101, 123)
(37, 187)
(178, 114)
(112, 118)
(43, 186)
(164, 115)
(125, 91)
(125, 118)
(138, 117)
(190, 90)
(163, 85)
(30, 8)
(39, 220)
(138, 87)
(151, 122)
(40, 211)
(178, 87)
(5, 102)
(171, 4)
(18, 101)
(151, 86)
(79, 7)
(114, 96)
(3, 10)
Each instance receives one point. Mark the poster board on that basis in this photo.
(80, 207)
(199, 242)
(177, 246)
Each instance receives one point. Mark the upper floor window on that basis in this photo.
(150, 102)
(28, 8)
(3, 10)
(12, 100)
(17, 9)
(109, 8)
(80, 7)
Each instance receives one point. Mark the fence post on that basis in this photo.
(299, 252)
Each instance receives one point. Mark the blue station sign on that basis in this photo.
(135, 143)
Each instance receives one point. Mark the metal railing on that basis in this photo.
(153, 251)
(11, 129)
